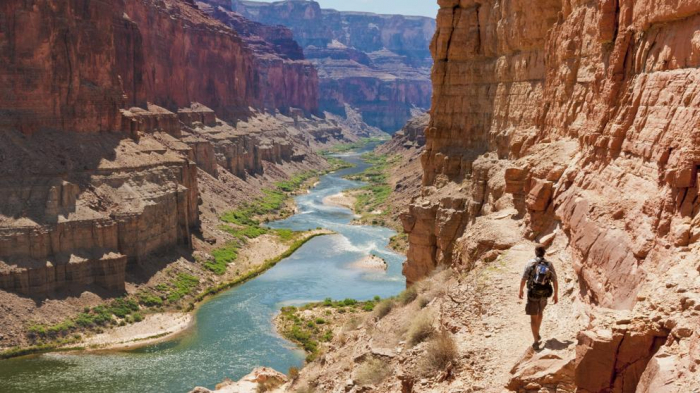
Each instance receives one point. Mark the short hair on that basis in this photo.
(540, 250)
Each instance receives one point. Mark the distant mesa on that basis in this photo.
(378, 64)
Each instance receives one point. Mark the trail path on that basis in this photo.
(492, 328)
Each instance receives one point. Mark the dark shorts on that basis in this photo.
(535, 306)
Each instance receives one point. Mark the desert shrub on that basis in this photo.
(383, 308)
(408, 296)
(440, 352)
(368, 306)
(327, 336)
(421, 329)
(123, 307)
(222, 258)
(372, 372)
(293, 372)
(183, 285)
(423, 301)
(148, 299)
(349, 302)
(268, 385)
(352, 324)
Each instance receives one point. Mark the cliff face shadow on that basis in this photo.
(143, 271)
(43, 174)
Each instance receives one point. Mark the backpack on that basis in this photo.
(540, 283)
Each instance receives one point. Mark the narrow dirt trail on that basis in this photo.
(491, 325)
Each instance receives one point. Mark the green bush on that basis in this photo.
(222, 258)
(148, 299)
(182, 286)
(123, 307)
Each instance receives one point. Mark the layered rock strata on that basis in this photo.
(75, 218)
(377, 64)
(581, 117)
(283, 75)
(109, 109)
(96, 58)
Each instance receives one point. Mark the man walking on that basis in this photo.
(539, 276)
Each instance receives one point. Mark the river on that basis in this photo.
(234, 331)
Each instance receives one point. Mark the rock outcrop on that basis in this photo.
(261, 379)
(579, 119)
(377, 64)
(109, 112)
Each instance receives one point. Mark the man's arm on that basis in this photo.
(555, 282)
(521, 294)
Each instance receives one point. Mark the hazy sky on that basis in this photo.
(405, 7)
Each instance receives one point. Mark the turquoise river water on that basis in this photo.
(234, 331)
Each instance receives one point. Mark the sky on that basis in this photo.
(405, 7)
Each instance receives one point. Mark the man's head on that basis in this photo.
(540, 251)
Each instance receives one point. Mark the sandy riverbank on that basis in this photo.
(340, 199)
(370, 262)
(154, 328)
(166, 326)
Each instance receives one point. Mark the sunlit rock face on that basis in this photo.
(578, 118)
(378, 64)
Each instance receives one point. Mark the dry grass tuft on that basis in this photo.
(268, 385)
(383, 308)
(420, 330)
(293, 372)
(408, 296)
(352, 324)
(440, 352)
(372, 372)
(424, 300)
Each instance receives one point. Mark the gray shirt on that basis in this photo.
(529, 273)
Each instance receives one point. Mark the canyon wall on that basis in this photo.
(109, 116)
(75, 65)
(377, 64)
(284, 78)
(579, 119)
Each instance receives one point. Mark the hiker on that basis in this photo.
(539, 276)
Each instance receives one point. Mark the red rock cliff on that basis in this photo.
(284, 78)
(73, 65)
(59, 66)
(581, 117)
(378, 64)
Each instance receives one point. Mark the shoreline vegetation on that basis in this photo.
(314, 326)
(244, 224)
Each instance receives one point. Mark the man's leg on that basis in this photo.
(535, 323)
